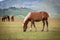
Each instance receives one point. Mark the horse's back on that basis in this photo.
(39, 15)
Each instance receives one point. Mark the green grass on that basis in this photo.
(14, 31)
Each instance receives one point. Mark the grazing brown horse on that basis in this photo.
(36, 17)
(12, 18)
(5, 17)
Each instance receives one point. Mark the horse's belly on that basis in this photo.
(37, 20)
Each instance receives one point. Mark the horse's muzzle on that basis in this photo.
(24, 30)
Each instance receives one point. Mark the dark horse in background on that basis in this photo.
(5, 17)
(36, 17)
(12, 18)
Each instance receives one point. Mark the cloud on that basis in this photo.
(27, 3)
(16, 5)
(56, 7)
(9, 3)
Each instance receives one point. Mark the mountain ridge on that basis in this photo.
(15, 11)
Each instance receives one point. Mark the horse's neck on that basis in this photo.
(26, 22)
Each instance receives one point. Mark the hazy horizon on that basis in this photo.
(51, 6)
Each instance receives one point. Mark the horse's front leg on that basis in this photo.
(35, 27)
(31, 27)
(43, 25)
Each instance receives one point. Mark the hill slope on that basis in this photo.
(15, 11)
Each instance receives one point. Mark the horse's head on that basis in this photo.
(25, 22)
(24, 27)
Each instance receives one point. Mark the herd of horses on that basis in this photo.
(32, 17)
(7, 18)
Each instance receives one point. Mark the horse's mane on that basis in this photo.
(26, 18)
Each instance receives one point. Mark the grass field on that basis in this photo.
(13, 31)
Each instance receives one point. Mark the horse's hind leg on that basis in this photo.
(32, 23)
(47, 24)
(43, 25)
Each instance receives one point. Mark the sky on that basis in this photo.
(51, 6)
(1, 0)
